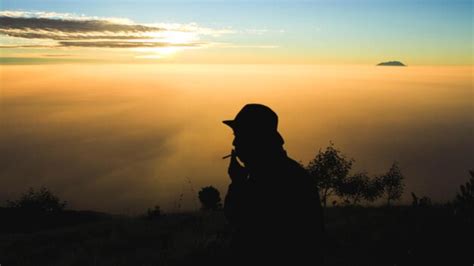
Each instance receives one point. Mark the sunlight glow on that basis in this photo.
(174, 37)
(158, 52)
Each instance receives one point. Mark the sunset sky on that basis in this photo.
(117, 105)
(434, 32)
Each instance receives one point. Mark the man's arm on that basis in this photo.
(235, 200)
(235, 203)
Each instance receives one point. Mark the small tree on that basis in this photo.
(374, 189)
(41, 200)
(358, 187)
(210, 198)
(393, 183)
(329, 169)
(354, 188)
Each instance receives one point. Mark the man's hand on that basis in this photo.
(237, 173)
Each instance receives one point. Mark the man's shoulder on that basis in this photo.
(298, 179)
(294, 164)
(295, 167)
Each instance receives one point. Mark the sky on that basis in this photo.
(435, 32)
(117, 105)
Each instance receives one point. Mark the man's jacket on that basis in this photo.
(276, 215)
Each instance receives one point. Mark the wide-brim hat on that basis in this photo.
(256, 120)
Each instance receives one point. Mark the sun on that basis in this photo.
(172, 42)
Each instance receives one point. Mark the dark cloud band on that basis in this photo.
(60, 36)
(114, 44)
(85, 33)
(72, 26)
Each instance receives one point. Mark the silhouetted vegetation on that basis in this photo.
(329, 169)
(424, 233)
(40, 209)
(357, 187)
(393, 183)
(331, 172)
(464, 202)
(422, 202)
(38, 200)
(373, 189)
(153, 214)
(210, 198)
(398, 235)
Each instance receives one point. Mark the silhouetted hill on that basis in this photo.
(13, 220)
(391, 63)
(355, 236)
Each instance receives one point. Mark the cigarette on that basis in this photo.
(227, 156)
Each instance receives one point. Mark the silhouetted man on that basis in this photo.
(272, 202)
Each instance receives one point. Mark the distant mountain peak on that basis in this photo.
(391, 63)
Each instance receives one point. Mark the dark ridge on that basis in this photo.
(391, 63)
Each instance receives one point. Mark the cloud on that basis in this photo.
(62, 36)
(57, 55)
(23, 29)
(27, 46)
(84, 141)
(114, 44)
(69, 30)
(55, 15)
(70, 25)
(230, 45)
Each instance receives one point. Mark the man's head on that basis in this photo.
(255, 131)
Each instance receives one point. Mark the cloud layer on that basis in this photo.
(119, 137)
(67, 30)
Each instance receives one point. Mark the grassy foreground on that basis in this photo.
(355, 236)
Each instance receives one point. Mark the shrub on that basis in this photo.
(40, 200)
(210, 198)
(153, 214)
